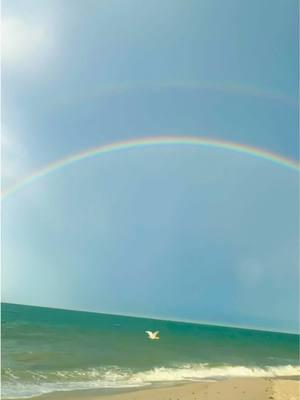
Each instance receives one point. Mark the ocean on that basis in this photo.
(46, 350)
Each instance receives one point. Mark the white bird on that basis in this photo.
(153, 335)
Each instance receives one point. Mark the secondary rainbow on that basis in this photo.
(231, 88)
(152, 141)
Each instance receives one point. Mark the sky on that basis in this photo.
(180, 232)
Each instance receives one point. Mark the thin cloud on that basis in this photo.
(14, 157)
(25, 43)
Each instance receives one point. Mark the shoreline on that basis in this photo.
(248, 388)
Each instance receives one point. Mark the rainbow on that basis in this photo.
(152, 141)
(224, 87)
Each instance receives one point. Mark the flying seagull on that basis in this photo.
(153, 335)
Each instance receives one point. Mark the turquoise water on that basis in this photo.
(45, 350)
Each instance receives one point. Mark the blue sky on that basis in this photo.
(173, 232)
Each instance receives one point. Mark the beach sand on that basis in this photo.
(230, 389)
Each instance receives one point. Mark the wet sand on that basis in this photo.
(230, 389)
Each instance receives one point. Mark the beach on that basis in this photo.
(63, 354)
(287, 388)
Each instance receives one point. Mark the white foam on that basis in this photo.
(203, 371)
(27, 390)
(114, 377)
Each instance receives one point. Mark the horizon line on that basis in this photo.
(157, 318)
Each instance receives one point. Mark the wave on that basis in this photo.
(34, 383)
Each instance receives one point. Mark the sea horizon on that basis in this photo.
(157, 318)
(46, 350)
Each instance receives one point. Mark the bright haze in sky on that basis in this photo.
(176, 231)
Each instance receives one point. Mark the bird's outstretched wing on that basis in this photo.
(152, 335)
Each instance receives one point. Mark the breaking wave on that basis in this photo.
(27, 384)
